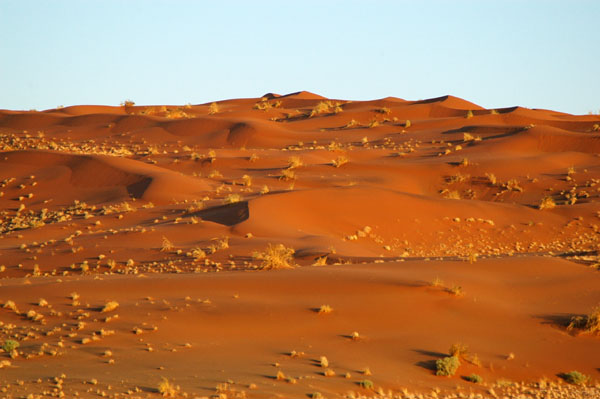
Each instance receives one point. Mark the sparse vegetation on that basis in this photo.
(339, 161)
(447, 366)
(325, 107)
(458, 350)
(547, 203)
(10, 345)
(166, 388)
(166, 245)
(232, 198)
(213, 108)
(110, 306)
(366, 384)
(575, 377)
(294, 162)
(474, 378)
(324, 309)
(588, 324)
(276, 257)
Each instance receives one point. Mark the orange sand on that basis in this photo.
(435, 190)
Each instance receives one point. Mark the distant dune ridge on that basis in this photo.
(436, 233)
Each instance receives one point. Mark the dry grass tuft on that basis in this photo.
(351, 124)
(232, 198)
(339, 161)
(166, 245)
(323, 361)
(588, 324)
(110, 306)
(287, 174)
(325, 107)
(324, 309)
(213, 109)
(294, 162)
(276, 257)
(459, 350)
(547, 203)
(166, 389)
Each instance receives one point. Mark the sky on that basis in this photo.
(536, 54)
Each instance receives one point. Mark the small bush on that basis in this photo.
(10, 345)
(447, 366)
(367, 384)
(166, 389)
(276, 257)
(110, 306)
(474, 378)
(575, 377)
(213, 108)
(547, 203)
(589, 324)
(458, 350)
(339, 161)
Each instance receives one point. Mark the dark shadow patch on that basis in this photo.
(430, 353)
(427, 365)
(137, 189)
(228, 215)
(558, 320)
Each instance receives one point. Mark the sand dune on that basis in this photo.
(421, 224)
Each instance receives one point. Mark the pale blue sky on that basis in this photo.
(539, 54)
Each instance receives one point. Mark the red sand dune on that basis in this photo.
(422, 224)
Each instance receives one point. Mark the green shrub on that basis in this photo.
(447, 366)
(10, 345)
(575, 377)
(367, 384)
(475, 378)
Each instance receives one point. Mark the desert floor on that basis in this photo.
(296, 246)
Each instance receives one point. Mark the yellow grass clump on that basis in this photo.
(588, 324)
(232, 198)
(213, 108)
(325, 107)
(110, 306)
(275, 257)
(294, 162)
(547, 203)
(324, 309)
(166, 245)
(166, 388)
(339, 161)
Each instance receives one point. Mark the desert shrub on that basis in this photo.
(575, 377)
(367, 384)
(475, 378)
(213, 108)
(10, 345)
(276, 257)
(447, 366)
(339, 161)
(589, 324)
(232, 198)
(166, 389)
(294, 162)
(110, 306)
(127, 103)
(458, 350)
(547, 203)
